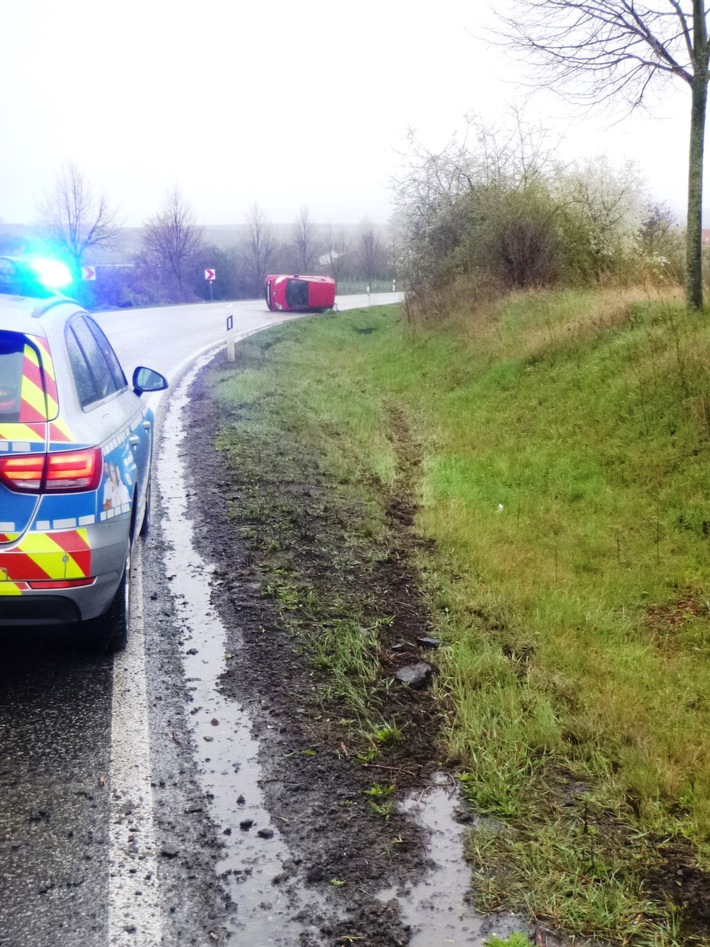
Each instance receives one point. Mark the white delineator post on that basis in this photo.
(230, 336)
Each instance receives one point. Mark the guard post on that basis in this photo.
(230, 336)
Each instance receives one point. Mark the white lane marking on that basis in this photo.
(135, 910)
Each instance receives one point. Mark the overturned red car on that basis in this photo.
(299, 293)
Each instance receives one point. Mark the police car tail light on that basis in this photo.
(24, 472)
(55, 472)
(70, 471)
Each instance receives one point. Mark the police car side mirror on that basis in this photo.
(145, 379)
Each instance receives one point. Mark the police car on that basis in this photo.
(76, 442)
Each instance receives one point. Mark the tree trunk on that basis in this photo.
(694, 227)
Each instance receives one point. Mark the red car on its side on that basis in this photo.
(299, 293)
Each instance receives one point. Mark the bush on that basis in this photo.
(501, 218)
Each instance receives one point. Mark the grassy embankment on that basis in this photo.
(566, 441)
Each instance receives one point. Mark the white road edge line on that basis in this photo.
(134, 906)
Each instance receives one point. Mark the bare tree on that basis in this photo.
(75, 217)
(370, 251)
(337, 251)
(259, 249)
(617, 48)
(305, 242)
(171, 242)
(656, 230)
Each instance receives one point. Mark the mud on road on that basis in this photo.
(295, 561)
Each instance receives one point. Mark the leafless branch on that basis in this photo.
(305, 241)
(592, 51)
(172, 239)
(76, 218)
(258, 249)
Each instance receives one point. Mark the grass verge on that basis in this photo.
(564, 443)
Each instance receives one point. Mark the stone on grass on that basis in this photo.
(415, 675)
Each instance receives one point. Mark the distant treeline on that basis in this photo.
(142, 266)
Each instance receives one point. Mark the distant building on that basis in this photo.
(330, 257)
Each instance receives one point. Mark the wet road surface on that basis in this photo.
(55, 719)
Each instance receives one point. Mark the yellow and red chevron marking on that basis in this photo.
(62, 555)
(32, 433)
(59, 433)
(50, 381)
(12, 588)
(8, 537)
(33, 402)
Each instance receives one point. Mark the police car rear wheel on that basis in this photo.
(118, 615)
(145, 525)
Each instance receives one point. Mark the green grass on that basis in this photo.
(381, 799)
(514, 940)
(566, 444)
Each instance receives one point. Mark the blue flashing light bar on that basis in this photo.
(52, 273)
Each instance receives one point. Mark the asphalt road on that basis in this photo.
(90, 773)
(167, 338)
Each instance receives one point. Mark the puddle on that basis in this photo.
(437, 908)
(226, 754)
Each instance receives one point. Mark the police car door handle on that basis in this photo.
(134, 440)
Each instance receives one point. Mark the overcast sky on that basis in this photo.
(287, 104)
